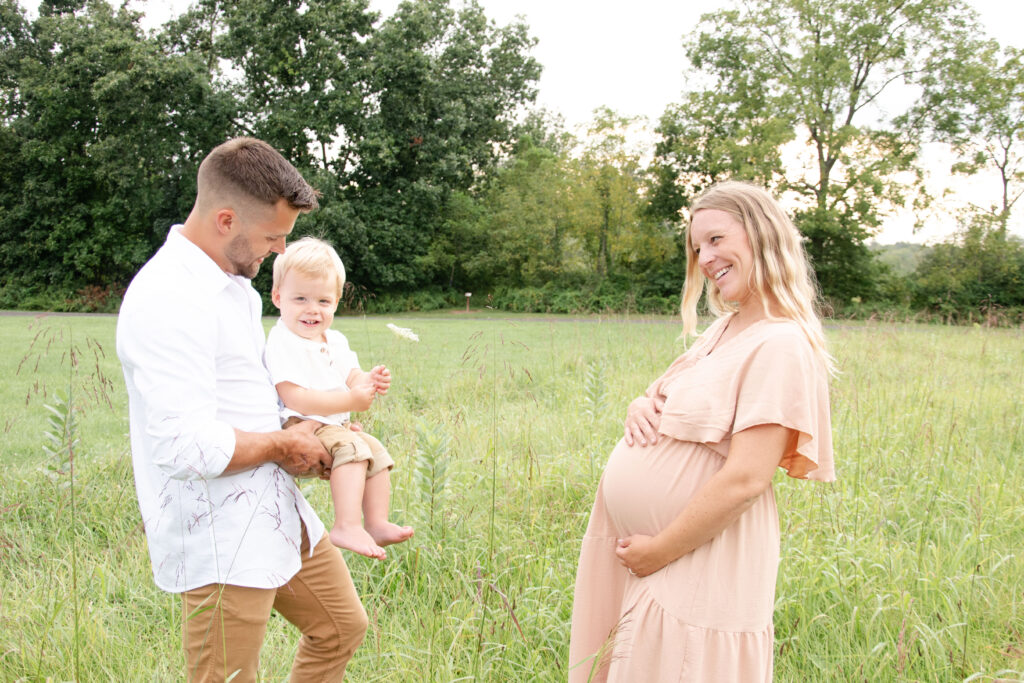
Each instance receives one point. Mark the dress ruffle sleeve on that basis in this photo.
(769, 375)
(784, 383)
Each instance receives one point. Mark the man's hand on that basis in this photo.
(299, 452)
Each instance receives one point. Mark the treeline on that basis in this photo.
(438, 177)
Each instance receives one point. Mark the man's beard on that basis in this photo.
(241, 257)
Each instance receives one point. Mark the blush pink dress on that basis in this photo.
(708, 615)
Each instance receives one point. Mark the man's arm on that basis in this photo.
(296, 450)
(170, 361)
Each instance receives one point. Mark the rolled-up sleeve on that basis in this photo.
(172, 368)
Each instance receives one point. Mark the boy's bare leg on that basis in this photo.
(376, 505)
(347, 490)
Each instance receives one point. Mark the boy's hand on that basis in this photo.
(381, 378)
(362, 395)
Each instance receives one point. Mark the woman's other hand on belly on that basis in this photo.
(641, 555)
(643, 417)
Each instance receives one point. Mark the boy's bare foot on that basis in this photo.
(356, 539)
(387, 533)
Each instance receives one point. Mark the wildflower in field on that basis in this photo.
(403, 332)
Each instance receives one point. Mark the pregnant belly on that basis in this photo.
(645, 488)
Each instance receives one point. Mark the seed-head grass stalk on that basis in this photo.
(594, 401)
(481, 598)
(60, 438)
(63, 440)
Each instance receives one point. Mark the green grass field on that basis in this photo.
(909, 568)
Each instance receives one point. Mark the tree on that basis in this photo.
(102, 133)
(821, 66)
(607, 202)
(978, 270)
(304, 71)
(444, 88)
(716, 134)
(523, 235)
(974, 101)
(389, 122)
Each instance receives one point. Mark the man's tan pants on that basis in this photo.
(223, 626)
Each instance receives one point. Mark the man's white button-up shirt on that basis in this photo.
(191, 342)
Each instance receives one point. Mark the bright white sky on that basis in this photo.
(629, 57)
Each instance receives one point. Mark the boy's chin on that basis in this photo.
(314, 333)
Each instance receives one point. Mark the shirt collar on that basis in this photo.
(206, 271)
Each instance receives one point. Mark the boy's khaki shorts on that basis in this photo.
(346, 446)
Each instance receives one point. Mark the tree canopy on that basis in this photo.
(974, 101)
(101, 136)
(813, 71)
(438, 177)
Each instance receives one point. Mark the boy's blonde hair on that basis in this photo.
(781, 274)
(313, 258)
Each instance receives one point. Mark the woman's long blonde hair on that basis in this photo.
(781, 274)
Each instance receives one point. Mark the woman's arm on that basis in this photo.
(314, 402)
(754, 454)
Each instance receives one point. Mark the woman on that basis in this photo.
(676, 579)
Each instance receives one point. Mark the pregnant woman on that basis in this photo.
(676, 579)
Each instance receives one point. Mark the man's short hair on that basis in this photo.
(248, 168)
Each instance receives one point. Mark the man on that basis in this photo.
(226, 524)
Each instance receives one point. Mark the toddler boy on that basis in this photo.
(318, 378)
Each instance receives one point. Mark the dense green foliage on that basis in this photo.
(101, 136)
(906, 568)
(983, 265)
(103, 127)
(785, 68)
(437, 178)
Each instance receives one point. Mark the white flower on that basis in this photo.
(403, 332)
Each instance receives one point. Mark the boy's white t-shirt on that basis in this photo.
(310, 364)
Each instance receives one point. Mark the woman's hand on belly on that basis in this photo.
(641, 555)
(643, 416)
(754, 454)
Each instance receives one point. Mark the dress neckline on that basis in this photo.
(715, 343)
